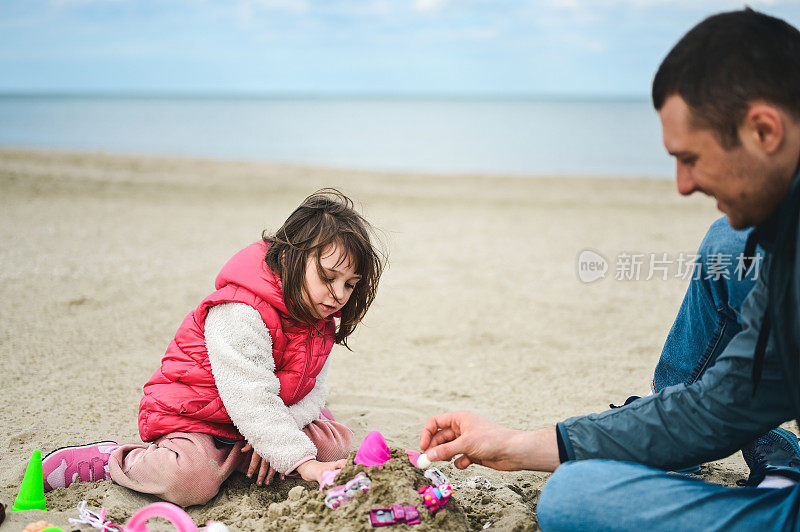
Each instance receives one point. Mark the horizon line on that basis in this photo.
(309, 95)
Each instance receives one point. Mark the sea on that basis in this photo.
(525, 136)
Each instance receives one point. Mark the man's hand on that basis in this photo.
(265, 471)
(483, 442)
(312, 470)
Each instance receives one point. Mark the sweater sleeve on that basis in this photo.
(309, 407)
(240, 353)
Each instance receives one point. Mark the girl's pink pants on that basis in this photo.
(188, 468)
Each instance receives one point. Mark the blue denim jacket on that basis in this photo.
(724, 410)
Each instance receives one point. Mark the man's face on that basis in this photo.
(741, 179)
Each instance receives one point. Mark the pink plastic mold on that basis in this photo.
(373, 450)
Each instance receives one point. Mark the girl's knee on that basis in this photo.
(333, 440)
(335, 447)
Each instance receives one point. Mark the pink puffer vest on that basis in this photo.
(181, 394)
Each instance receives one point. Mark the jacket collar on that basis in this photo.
(765, 233)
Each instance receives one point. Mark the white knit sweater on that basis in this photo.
(240, 352)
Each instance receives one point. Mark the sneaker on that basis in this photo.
(775, 453)
(86, 463)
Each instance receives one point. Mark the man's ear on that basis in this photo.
(763, 127)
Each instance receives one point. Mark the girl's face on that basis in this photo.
(329, 294)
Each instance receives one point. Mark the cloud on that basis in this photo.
(428, 5)
(709, 5)
(297, 6)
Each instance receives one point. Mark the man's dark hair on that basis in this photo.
(728, 61)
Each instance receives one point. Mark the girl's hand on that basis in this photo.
(265, 471)
(312, 470)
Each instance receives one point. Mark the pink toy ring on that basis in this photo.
(170, 512)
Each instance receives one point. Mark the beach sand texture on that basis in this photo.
(102, 256)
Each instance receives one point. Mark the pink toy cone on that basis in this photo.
(373, 450)
(413, 456)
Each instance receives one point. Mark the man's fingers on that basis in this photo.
(443, 436)
(445, 451)
(434, 424)
(270, 475)
(247, 448)
(462, 462)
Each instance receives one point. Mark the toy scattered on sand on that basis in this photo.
(435, 497)
(174, 514)
(423, 462)
(328, 477)
(93, 519)
(31, 492)
(138, 521)
(396, 515)
(335, 496)
(375, 452)
(435, 476)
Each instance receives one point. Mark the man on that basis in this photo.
(728, 96)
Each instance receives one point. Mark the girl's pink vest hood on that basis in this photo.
(181, 394)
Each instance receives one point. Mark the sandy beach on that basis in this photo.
(481, 308)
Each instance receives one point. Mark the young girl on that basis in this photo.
(242, 385)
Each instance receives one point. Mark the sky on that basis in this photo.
(329, 47)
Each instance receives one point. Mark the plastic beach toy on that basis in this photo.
(396, 515)
(335, 496)
(170, 512)
(435, 497)
(413, 457)
(328, 477)
(31, 493)
(423, 462)
(373, 450)
(173, 514)
(436, 476)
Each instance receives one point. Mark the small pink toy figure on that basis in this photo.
(435, 497)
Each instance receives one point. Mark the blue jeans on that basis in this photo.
(609, 495)
(604, 495)
(709, 315)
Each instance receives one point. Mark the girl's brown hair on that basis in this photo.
(323, 219)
